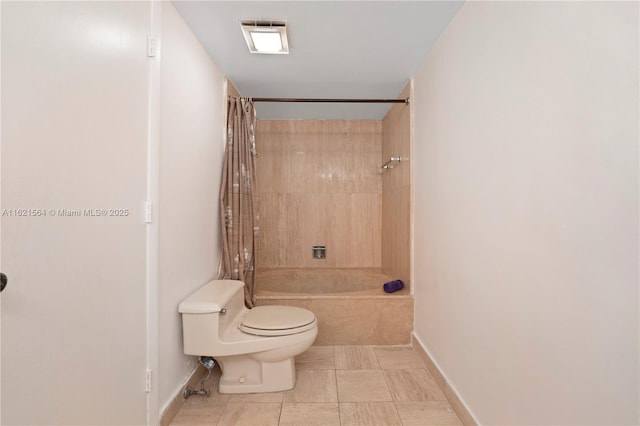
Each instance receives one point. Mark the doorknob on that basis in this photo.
(3, 281)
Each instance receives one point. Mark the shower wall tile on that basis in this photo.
(231, 89)
(363, 237)
(270, 237)
(396, 242)
(348, 224)
(397, 143)
(314, 219)
(310, 156)
(396, 190)
(319, 184)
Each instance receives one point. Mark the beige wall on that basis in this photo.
(319, 183)
(191, 153)
(526, 210)
(396, 191)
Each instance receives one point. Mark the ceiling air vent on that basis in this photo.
(268, 37)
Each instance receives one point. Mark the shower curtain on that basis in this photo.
(238, 197)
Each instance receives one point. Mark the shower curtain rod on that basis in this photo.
(316, 100)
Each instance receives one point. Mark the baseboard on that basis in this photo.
(177, 401)
(458, 406)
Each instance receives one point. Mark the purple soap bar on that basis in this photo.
(392, 286)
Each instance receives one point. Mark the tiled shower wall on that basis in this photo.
(396, 191)
(319, 183)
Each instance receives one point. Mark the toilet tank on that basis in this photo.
(201, 313)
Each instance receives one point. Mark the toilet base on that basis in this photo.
(244, 374)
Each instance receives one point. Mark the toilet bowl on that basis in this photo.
(254, 347)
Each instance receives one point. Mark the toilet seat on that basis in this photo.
(277, 321)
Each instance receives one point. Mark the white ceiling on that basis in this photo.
(338, 49)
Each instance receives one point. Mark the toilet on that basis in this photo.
(254, 347)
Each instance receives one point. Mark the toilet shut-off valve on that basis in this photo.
(207, 363)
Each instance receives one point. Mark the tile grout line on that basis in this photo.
(335, 375)
(395, 407)
(337, 394)
(384, 376)
(223, 410)
(226, 403)
(282, 408)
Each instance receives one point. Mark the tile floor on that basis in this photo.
(336, 385)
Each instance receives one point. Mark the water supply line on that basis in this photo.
(208, 363)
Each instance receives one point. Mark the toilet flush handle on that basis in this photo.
(223, 311)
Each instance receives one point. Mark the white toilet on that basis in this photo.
(254, 347)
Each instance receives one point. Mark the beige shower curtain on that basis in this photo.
(238, 197)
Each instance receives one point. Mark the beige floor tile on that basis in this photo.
(198, 414)
(313, 386)
(250, 414)
(316, 358)
(413, 385)
(215, 397)
(257, 397)
(303, 414)
(398, 359)
(368, 414)
(355, 358)
(427, 413)
(362, 386)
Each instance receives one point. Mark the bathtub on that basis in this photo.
(351, 307)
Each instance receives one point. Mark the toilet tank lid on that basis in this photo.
(211, 297)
